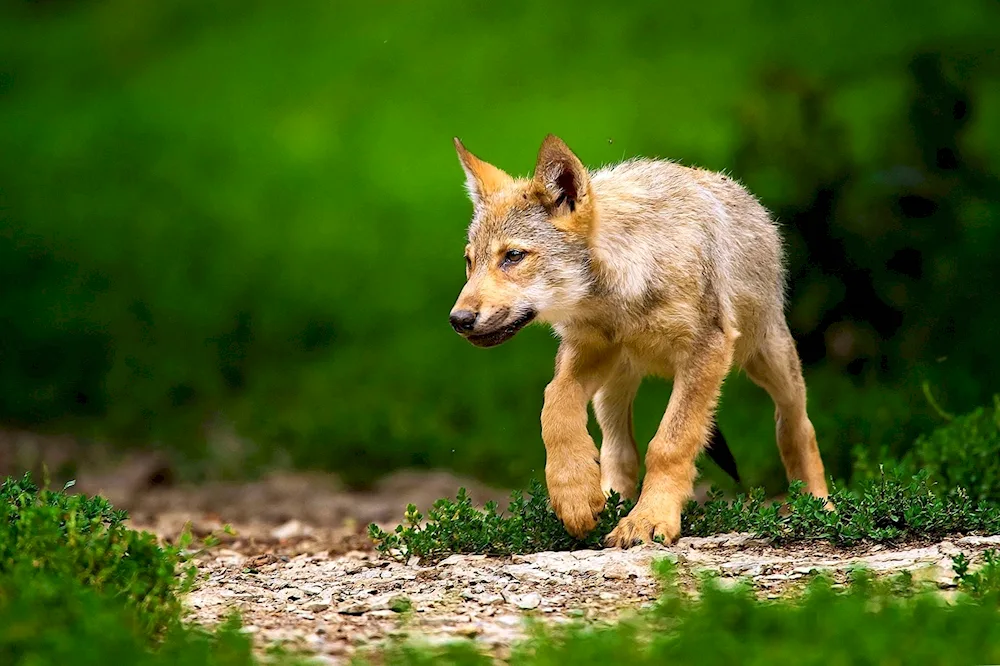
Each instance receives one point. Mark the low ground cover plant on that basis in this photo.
(79, 587)
(886, 509)
(962, 453)
(948, 484)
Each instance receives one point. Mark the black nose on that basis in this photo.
(463, 321)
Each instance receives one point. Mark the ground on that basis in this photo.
(331, 604)
(298, 565)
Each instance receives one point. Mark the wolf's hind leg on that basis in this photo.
(619, 454)
(776, 368)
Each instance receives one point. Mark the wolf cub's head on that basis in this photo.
(527, 255)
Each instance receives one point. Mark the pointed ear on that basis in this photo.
(481, 178)
(563, 185)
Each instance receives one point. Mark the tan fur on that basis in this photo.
(643, 268)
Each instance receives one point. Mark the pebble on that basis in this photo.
(523, 601)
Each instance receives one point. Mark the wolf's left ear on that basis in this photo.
(481, 178)
(563, 185)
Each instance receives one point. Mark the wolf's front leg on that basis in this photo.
(670, 460)
(572, 468)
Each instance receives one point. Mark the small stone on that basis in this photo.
(941, 574)
(980, 540)
(293, 528)
(523, 601)
(468, 630)
(353, 608)
(529, 601)
(948, 548)
(260, 560)
(615, 572)
(778, 577)
(316, 606)
(527, 572)
(609, 596)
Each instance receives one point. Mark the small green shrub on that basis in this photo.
(78, 587)
(965, 453)
(888, 508)
(529, 525)
(981, 582)
(54, 536)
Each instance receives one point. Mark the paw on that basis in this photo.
(574, 487)
(648, 522)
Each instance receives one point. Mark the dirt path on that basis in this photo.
(301, 570)
(333, 604)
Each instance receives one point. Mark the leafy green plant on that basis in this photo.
(77, 586)
(964, 453)
(74, 537)
(529, 525)
(889, 508)
(982, 581)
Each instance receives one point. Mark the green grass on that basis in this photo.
(78, 587)
(888, 509)
(53, 537)
(873, 621)
(963, 453)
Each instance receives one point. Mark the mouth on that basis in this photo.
(502, 334)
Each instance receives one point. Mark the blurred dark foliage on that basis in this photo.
(249, 213)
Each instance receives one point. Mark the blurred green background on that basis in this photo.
(252, 213)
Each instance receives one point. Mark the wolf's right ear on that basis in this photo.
(563, 186)
(481, 178)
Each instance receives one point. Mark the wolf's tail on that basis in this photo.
(718, 450)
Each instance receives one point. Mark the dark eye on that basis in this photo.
(468, 262)
(513, 256)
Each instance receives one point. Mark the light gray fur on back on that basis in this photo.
(664, 229)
